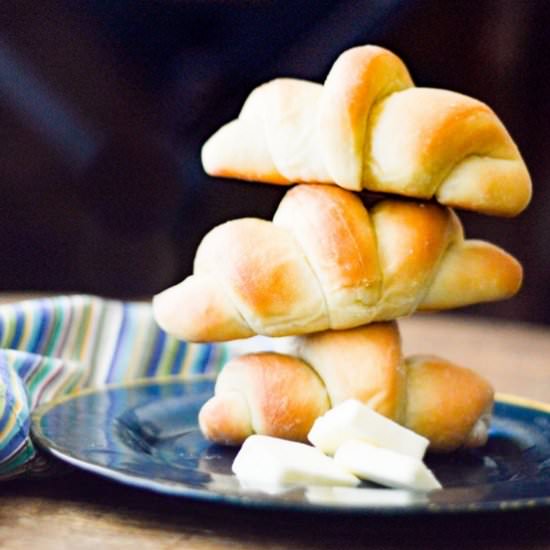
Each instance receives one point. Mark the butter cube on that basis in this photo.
(266, 460)
(385, 467)
(363, 496)
(353, 420)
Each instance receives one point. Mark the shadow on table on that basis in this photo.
(91, 506)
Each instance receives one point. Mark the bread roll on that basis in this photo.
(368, 127)
(281, 395)
(327, 262)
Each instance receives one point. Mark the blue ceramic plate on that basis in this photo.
(146, 435)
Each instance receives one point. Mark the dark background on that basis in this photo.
(104, 106)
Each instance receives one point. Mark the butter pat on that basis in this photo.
(265, 460)
(353, 420)
(353, 496)
(386, 467)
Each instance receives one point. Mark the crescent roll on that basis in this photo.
(327, 262)
(282, 395)
(368, 127)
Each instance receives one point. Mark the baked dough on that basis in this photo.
(368, 127)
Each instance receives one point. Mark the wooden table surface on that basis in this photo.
(81, 511)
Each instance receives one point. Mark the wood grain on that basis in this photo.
(515, 357)
(83, 512)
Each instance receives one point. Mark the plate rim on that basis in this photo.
(174, 489)
(501, 397)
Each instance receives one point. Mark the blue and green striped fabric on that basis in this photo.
(54, 346)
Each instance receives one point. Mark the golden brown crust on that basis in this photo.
(444, 401)
(359, 78)
(364, 363)
(225, 419)
(265, 273)
(335, 231)
(281, 395)
(475, 271)
(368, 127)
(412, 241)
(325, 263)
(422, 139)
(198, 309)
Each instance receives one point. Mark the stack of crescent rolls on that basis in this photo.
(332, 275)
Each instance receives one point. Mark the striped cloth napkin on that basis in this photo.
(55, 346)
